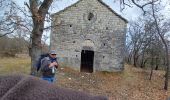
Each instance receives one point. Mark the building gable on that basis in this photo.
(100, 1)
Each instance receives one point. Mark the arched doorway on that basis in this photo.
(87, 58)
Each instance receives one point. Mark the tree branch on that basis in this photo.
(44, 7)
(122, 2)
(7, 33)
(26, 4)
(34, 9)
(142, 6)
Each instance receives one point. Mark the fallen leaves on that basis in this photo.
(132, 84)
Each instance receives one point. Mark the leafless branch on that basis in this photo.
(20, 9)
(44, 7)
(141, 6)
(26, 4)
(46, 28)
(7, 33)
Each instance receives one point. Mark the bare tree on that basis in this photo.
(153, 11)
(165, 44)
(17, 19)
(135, 32)
(141, 37)
(38, 10)
(139, 3)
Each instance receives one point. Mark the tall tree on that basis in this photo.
(39, 10)
(165, 44)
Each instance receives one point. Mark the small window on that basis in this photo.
(90, 16)
(70, 25)
(107, 28)
(74, 41)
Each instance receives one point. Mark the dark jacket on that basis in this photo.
(46, 71)
(23, 87)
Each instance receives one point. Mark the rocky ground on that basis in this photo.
(132, 84)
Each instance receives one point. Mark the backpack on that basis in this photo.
(38, 64)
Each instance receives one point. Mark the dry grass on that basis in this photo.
(131, 84)
(15, 65)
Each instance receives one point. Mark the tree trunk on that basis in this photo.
(166, 49)
(130, 58)
(151, 66)
(167, 68)
(38, 16)
(36, 48)
(156, 68)
(142, 62)
(134, 60)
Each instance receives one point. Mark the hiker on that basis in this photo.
(49, 65)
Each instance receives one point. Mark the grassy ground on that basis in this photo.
(14, 65)
(131, 84)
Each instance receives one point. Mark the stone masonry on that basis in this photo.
(89, 25)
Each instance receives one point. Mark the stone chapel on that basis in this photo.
(89, 36)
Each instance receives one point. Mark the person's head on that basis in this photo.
(52, 54)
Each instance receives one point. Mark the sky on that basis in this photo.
(128, 13)
(61, 4)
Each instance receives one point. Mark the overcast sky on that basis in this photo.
(128, 13)
(61, 4)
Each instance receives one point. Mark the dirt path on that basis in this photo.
(132, 84)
